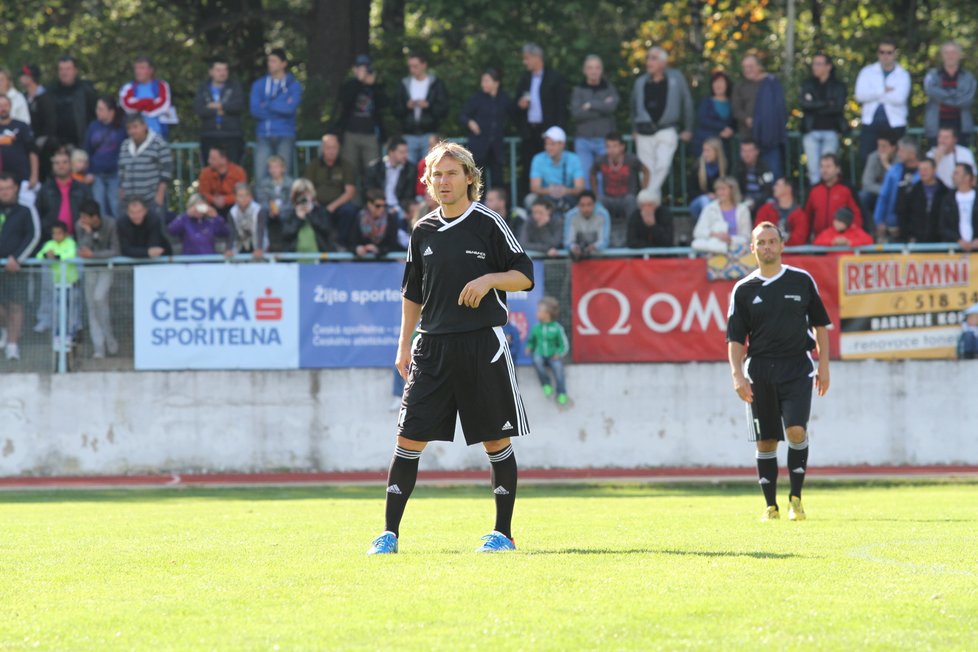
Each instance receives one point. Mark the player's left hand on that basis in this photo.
(473, 292)
(822, 379)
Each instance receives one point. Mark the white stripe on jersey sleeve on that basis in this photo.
(799, 269)
(514, 244)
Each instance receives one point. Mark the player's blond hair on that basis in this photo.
(465, 159)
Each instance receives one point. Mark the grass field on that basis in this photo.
(876, 567)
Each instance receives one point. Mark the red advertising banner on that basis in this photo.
(665, 310)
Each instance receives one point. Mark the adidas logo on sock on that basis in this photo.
(427, 252)
(507, 426)
(761, 481)
(798, 470)
(394, 489)
(500, 491)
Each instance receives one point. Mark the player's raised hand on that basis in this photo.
(474, 291)
(822, 379)
(743, 388)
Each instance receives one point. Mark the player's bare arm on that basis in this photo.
(736, 353)
(475, 290)
(822, 373)
(410, 314)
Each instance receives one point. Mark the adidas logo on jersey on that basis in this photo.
(500, 491)
(757, 299)
(394, 489)
(427, 252)
(507, 426)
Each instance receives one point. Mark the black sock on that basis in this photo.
(767, 473)
(504, 487)
(401, 478)
(797, 464)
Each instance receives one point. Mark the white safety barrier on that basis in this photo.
(624, 416)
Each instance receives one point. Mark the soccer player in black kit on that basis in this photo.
(461, 262)
(774, 310)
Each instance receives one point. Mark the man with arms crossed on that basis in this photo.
(773, 312)
(461, 262)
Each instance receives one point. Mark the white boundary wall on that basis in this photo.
(885, 413)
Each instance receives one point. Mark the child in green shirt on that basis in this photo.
(61, 246)
(548, 344)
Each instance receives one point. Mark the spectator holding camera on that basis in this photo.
(199, 227)
(306, 228)
(249, 224)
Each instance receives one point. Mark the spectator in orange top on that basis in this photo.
(828, 196)
(787, 214)
(217, 181)
(843, 232)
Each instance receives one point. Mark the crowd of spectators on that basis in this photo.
(100, 167)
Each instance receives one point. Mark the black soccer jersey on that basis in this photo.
(444, 255)
(775, 316)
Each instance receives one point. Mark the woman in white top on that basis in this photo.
(725, 223)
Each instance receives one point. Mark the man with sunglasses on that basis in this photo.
(883, 90)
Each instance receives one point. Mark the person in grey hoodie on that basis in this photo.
(661, 105)
(593, 104)
(97, 239)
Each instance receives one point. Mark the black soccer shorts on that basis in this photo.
(471, 375)
(781, 399)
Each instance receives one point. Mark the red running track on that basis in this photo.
(662, 475)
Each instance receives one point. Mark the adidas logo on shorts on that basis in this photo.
(394, 489)
(507, 426)
(500, 491)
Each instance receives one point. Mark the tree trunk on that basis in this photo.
(330, 38)
(392, 21)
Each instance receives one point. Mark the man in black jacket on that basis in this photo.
(650, 225)
(219, 102)
(541, 103)
(74, 101)
(919, 210)
(959, 212)
(394, 176)
(43, 116)
(19, 235)
(358, 121)
(51, 195)
(823, 99)
(141, 232)
(421, 104)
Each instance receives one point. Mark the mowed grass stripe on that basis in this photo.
(880, 566)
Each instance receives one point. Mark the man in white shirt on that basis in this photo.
(883, 90)
(421, 105)
(958, 218)
(947, 154)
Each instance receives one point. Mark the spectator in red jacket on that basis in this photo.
(843, 232)
(787, 214)
(827, 197)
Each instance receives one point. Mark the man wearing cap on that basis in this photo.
(843, 233)
(554, 173)
(358, 122)
(274, 103)
(661, 103)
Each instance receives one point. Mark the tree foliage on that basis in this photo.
(464, 36)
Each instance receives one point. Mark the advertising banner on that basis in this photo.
(350, 314)
(216, 317)
(665, 310)
(907, 306)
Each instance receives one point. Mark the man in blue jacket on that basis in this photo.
(274, 102)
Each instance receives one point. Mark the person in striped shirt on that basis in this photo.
(145, 165)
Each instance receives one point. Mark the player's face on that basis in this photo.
(767, 246)
(450, 182)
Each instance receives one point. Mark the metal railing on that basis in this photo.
(58, 332)
(187, 165)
